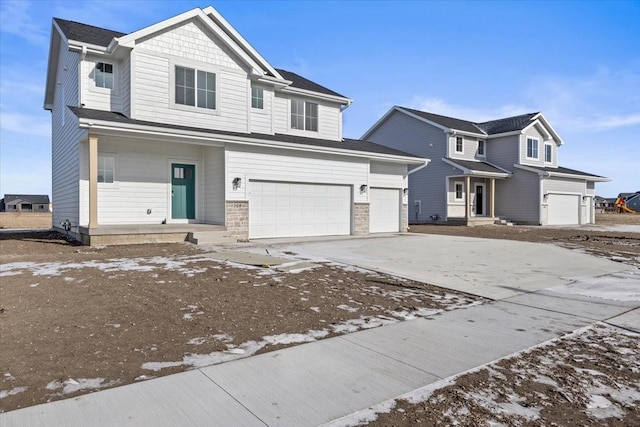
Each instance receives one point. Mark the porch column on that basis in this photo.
(492, 197)
(93, 181)
(467, 197)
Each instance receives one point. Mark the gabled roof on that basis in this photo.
(355, 145)
(474, 167)
(562, 171)
(508, 124)
(87, 33)
(448, 122)
(300, 82)
(36, 199)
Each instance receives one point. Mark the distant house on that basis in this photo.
(632, 200)
(603, 204)
(25, 203)
(479, 172)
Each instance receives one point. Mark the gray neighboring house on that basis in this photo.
(632, 200)
(25, 203)
(479, 172)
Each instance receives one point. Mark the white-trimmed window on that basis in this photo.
(481, 148)
(257, 97)
(103, 75)
(106, 169)
(532, 148)
(304, 115)
(458, 190)
(195, 88)
(459, 144)
(548, 153)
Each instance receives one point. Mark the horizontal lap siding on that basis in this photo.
(469, 148)
(518, 197)
(100, 98)
(388, 175)
(268, 164)
(125, 84)
(65, 141)
(214, 185)
(532, 133)
(329, 123)
(503, 151)
(556, 185)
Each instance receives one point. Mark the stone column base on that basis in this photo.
(237, 219)
(360, 218)
(404, 227)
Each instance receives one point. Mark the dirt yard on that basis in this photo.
(615, 245)
(76, 319)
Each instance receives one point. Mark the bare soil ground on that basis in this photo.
(75, 319)
(617, 246)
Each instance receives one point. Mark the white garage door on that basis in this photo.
(285, 209)
(384, 210)
(563, 209)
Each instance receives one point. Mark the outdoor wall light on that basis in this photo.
(363, 188)
(405, 191)
(545, 196)
(236, 182)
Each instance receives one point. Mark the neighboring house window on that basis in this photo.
(106, 167)
(532, 148)
(459, 144)
(304, 115)
(480, 148)
(104, 75)
(257, 97)
(195, 88)
(459, 190)
(547, 153)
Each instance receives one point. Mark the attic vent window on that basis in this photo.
(104, 75)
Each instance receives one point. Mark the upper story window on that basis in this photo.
(304, 115)
(103, 75)
(106, 169)
(459, 144)
(195, 88)
(257, 97)
(532, 148)
(548, 156)
(481, 148)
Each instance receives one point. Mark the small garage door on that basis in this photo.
(563, 209)
(285, 209)
(384, 210)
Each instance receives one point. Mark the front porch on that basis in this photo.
(154, 233)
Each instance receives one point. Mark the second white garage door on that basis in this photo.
(563, 209)
(285, 209)
(384, 210)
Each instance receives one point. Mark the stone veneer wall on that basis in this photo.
(237, 219)
(360, 218)
(405, 218)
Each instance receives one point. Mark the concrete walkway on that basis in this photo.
(317, 383)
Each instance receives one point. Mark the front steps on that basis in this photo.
(211, 237)
(503, 221)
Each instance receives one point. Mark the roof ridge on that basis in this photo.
(507, 118)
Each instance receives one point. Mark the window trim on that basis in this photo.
(261, 98)
(455, 190)
(99, 89)
(114, 157)
(455, 148)
(196, 66)
(304, 115)
(484, 148)
(550, 161)
(537, 157)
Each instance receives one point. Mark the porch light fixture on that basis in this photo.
(405, 191)
(545, 196)
(363, 188)
(236, 182)
(584, 198)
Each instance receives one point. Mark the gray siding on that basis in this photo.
(518, 197)
(427, 185)
(469, 147)
(503, 151)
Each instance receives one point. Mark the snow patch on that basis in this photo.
(12, 392)
(71, 385)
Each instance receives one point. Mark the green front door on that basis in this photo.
(183, 191)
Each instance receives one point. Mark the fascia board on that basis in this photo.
(580, 177)
(318, 95)
(98, 126)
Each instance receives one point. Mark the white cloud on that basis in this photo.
(23, 123)
(16, 17)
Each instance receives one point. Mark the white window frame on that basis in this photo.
(550, 161)
(455, 148)
(258, 95)
(93, 87)
(484, 148)
(196, 67)
(537, 146)
(305, 105)
(455, 190)
(113, 158)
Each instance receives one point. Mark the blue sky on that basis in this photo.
(577, 62)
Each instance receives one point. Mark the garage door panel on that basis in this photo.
(563, 209)
(384, 210)
(299, 209)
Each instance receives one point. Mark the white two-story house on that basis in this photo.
(184, 122)
(506, 168)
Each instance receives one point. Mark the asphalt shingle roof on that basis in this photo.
(35, 199)
(561, 169)
(102, 37)
(492, 127)
(477, 166)
(345, 144)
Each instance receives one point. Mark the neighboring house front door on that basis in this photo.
(479, 204)
(183, 191)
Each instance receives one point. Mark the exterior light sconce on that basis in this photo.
(236, 182)
(405, 191)
(545, 196)
(584, 198)
(363, 188)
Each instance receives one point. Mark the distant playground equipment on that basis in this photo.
(621, 206)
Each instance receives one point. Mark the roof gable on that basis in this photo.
(448, 122)
(86, 33)
(36, 199)
(508, 124)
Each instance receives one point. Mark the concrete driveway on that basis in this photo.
(492, 268)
